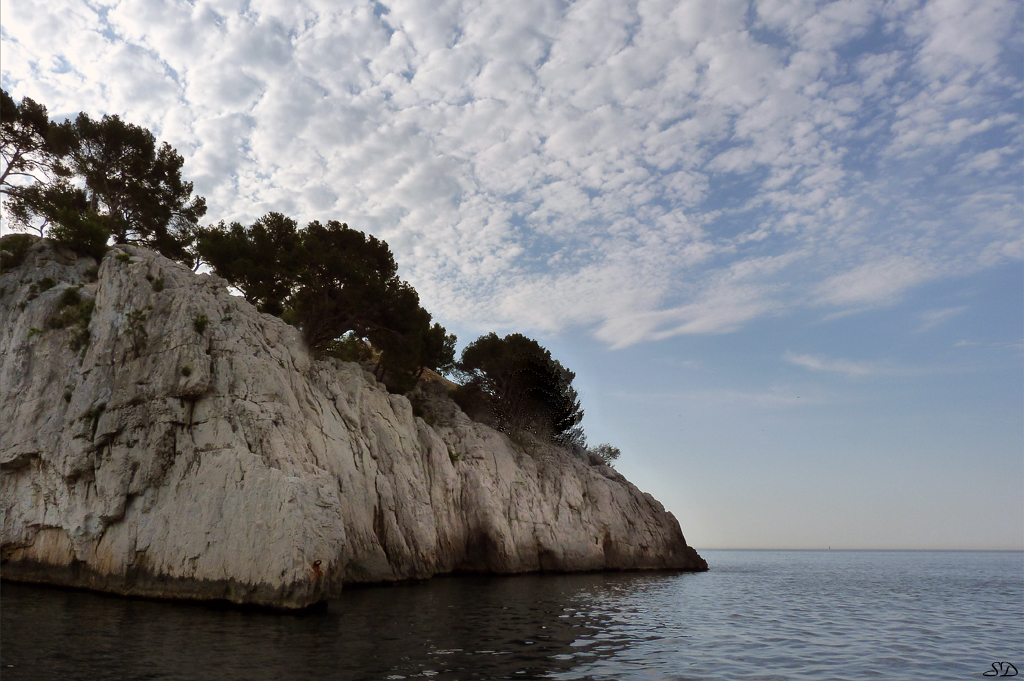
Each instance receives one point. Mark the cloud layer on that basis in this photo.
(645, 169)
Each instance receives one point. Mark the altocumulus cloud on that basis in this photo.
(645, 169)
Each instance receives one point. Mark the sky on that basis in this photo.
(779, 242)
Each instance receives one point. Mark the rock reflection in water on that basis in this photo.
(526, 626)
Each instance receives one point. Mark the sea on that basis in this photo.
(758, 615)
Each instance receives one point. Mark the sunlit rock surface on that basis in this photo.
(191, 448)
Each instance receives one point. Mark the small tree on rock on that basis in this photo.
(606, 453)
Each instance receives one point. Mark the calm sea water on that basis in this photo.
(793, 615)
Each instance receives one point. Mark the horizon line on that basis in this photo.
(829, 548)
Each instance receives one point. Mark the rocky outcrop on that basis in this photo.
(160, 437)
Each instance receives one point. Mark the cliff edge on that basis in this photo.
(160, 437)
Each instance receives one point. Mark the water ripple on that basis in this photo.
(798, 616)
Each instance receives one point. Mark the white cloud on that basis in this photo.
(878, 281)
(841, 366)
(932, 318)
(646, 169)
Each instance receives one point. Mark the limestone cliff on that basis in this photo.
(161, 437)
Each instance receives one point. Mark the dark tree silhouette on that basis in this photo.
(339, 286)
(34, 176)
(262, 260)
(93, 179)
(522, 386)
(136, 187)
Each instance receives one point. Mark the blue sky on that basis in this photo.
(779, 242)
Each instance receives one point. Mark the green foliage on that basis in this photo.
(23, 131)
(32, 147)
(453, 456)
(472, 400)
(606, 453)
(82, 230)
(74, 313)
(13, 248)
(71, 296)
(73, 222)
(123, 257)
(34, 331)
(439, 349)
(135, 186)
(34, 151)
(157, 284)
(186, 371)
(45, 284)
(521, 386)
(349, 348)
(135, 330)
(346, 282)
(263, 260)
(339, 286)
(91, 180)
(199, 323)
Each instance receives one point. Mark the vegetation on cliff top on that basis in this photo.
(89, 182)
(339, 285)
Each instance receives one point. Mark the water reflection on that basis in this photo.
(794, 615)
(527, 626)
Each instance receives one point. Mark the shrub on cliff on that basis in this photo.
(81, 231)
(13, 248)
(606, 453)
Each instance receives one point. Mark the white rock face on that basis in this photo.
(193, 449)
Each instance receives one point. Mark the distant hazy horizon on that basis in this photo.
(833, 548)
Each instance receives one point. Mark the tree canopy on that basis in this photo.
(522, 387)
(136, 186)
(31, 147)
(35, 173)
(262, 260)
(338, 285)
(96, 179)
(607, 453)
